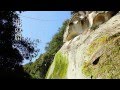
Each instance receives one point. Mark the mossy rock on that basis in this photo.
(60, 67)
(108, 64)
(97, 44)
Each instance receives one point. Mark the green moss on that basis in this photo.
(108, 66)
(87, 69)
(96, 44)
(61, 65)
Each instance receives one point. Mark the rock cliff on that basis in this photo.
(91, 47)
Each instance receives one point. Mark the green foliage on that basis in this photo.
(34, 68)
(39, 68)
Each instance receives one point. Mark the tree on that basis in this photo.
(13, 50)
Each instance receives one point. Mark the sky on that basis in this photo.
(42, 25)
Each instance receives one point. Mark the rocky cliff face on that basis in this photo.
(91, 48)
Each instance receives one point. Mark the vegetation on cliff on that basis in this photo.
(60, 63)
(107, 65)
